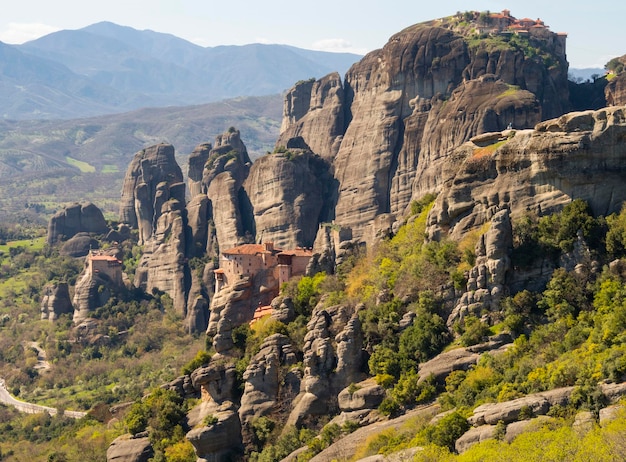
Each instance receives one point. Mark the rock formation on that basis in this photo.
(537, 170)
(615, 91)
(269, 384)
(163, 265)
(74, 219)
(395, 98)
(130, 449)
(55, 301)
(314, 111)
(228, 209)
(332, 360)
(486, 281)
(153, 201)
(79, 245)
(152, 178)
(96, 284)
(291, 193)
(216, 429)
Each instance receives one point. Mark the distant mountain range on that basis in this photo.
(107, 68)
(47, 163)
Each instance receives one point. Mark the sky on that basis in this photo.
(595, 27)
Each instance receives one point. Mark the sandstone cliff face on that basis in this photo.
(55, 301)
(290, 193)
(395, 99)
(487, 279)
(615, 91)
(163, 265)
(147, 186)
(314, 110)
(228, 208)
(268, 388)
(486, 104)
(74, 219)
(537, 171)
(220, 438)
(235, 304)
(332, 360)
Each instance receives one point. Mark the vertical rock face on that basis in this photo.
(56, 301)
(163, 265)
(266, 383)
(197, 161)
(426, 91)
(332, 360)
(147, 185)
(615, 91)
(290, 193)
(314, 110)
(130, 449)
(74, 219)
(218, 438)
(228, 209)
(537, 170)
(487, 279)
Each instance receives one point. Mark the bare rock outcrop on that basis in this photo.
(362, 395)
(291, 193)
(128, 448)
(163, 265)
(151, 180)
(235, 304)
(216, 428)
(461, 358)
(79, 245)
(197, 160)
(395, 99)
(326, 373)
(509, 411)
(314, 110)
(197, 318)
(76, 218)
(269, 384)
(487, 279)
(473, 436)
(537, 171)
(615, 90)
(228, 210)
(55, 301)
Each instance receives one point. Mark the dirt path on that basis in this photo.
(42, 361)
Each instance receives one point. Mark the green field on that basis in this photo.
(79, 164)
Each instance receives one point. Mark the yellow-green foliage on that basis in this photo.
(555, 442)
(485, 151)
(391, 439)
(510, 91)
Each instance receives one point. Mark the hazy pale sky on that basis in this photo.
(595, 27)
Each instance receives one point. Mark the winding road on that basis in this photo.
(22, 406)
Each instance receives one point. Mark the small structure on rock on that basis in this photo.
(247, 260)
(99, 263)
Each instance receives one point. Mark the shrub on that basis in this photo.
(202, 358)
(447, 430)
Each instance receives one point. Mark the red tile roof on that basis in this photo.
(104, 258)
(247, 249)
(298, 252)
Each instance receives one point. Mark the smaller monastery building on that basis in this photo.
(100, 263)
